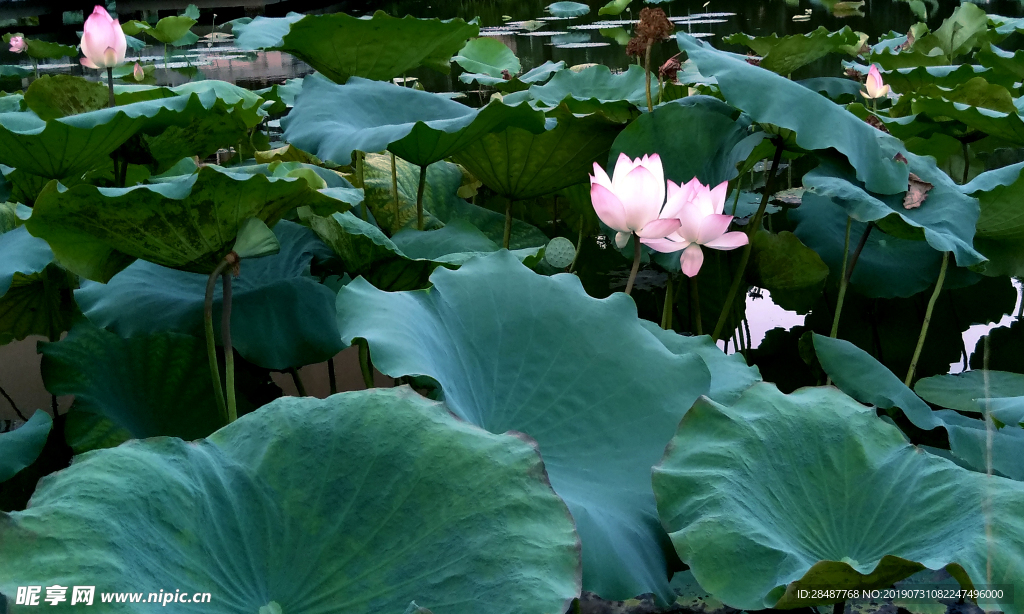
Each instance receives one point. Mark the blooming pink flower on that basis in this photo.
(631, 200)
(699, 209)
(18, 44)
(875, 87)
(138, 73)
(103, 41)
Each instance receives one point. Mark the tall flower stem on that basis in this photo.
(419, 198)
(297, 379)
(752, 228)
(927, 319)
(211, 341)
(365, 364)
(579, 246)
(361, 178)
(225, 335)
(967, 161)
(110, 86)
(507, 237)
(699, 325)
(844, 281)
(636, 263)
(394, 190)
(647, 72)
(666, 308)
(331, 377)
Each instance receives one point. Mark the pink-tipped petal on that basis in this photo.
(87, 63)
(730, 240)
(623, 165)
(658, 229)
(690, 218)
(120, 42)
(601, 177)
(608, 207)
(718, 196)
(621, 239)
(712, 227)
(664, 246)
(691, 260)
(91, 42)
(653, 164)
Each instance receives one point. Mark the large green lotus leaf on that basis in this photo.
(792, 272)
(976, 448)
(967, 391)
(887, 267)
(359, 503)
(1007, 64)
(779, 493)
(332, 192)
(53, 96)
(520, 164)
(70, 146)
(819, 123)
(961, 32)
(281, 317)
(35, 293)
(913, 79)
(554, 357)
(784, 55)
(696, 136)
(21, 447)
(596, 84)
(1000, 228)
(1006, 126)
(945, 220)
(517, 83)
(341, 46)
(836, 89)
(418, 126)
(148, 384)
(488, 56)
(976, 92)
(1008, 410)
(188, 223)
(859, 375)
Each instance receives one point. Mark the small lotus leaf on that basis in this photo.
(21, 447)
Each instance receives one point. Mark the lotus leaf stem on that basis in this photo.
(752, 228)
(698, 325)
(110, 86)
(647, 72)
(579, 246)
(211, 341)
(13, 405)
(927, 318)
(299, 386)
(419, 201)
(736, 197)
(666, 308)
(636, 264)
(365, 364)
(394, 190)
(225, 334)
(507, 236)
(967, 161)
(843, 280)
(332, 379)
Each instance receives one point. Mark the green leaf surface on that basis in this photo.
(554, 357)
(540, 74)
(520, 164)
(398, 501)
(615, 7)
(146, 298)
(148, 384)
(1006, 126)
(21, 447)
(1007, 64)
(341, 46)
(978, 448)
(819, 123)
(53, 96)
(418, 126)
(961, 32)
(188, 223)
(784, 55)
(755, 531)
(596, 84)
(489, 56)
(1000, 229)
(792, 272)
(567, 9)
(967, 391)
(35, 293)
(171, 28)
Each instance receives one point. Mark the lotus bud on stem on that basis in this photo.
(110, 86)
(927, 318)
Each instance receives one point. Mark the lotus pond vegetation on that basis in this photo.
(554, 266)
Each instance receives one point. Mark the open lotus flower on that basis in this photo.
(699, 209)
(18, 44)
(874, 86)
(103, 41)
(631, 200)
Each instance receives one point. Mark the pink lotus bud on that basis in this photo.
(138, 73)
(18, 44)
(875, 87)
(103, 41)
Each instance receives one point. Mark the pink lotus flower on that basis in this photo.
(875, 87)
(699, 209)
(18, 44)
(630, 202)
(103, 41)
(138, 73)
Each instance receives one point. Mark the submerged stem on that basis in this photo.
(225, 334)
(419, 198)
(211, 341)
(927, 318)
(636, 263)
(753, 227)
(110, 85)
(365, 364)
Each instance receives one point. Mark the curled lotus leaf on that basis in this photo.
(488, 56)
(399, 500)
(1000, 229)
(21, 447)
(778, 493)
(35, 292)
(341, 46)
(785, 54)
(555, 357)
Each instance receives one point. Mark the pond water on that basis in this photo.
(533, 34)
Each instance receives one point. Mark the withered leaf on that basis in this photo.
(917, 191)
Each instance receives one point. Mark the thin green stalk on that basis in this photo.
(647, 71)
(14, 406)
(361, 178)
(110, 86)
(927, 318)
(419, 199)
(842, 279)
(753, 227)
(365, 364)
(394, 190)
(332, 379)
(579, 246)
(297, 379)
(699, 326)
(666, 308)
(736, 197)
(211, 341)
(967, 161)
(636, 264)
(507, 236)
(225, 335)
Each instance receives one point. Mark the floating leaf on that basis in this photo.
(146, 299)
(521, 82)
(615, 7)
(21, 447)
(440, 486)
(341, 46)
(542, 370)
(742, 518)
(784, 55)
(567, 9)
